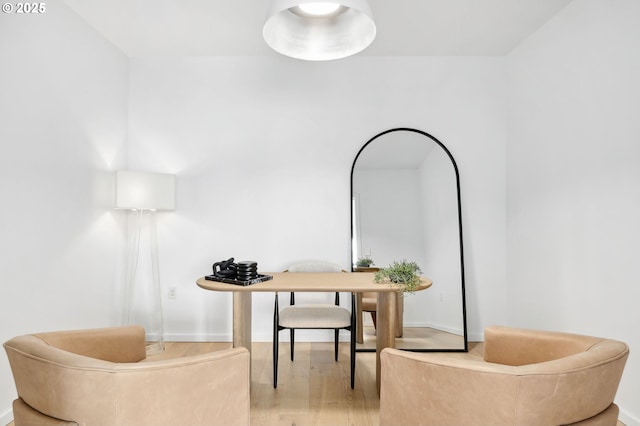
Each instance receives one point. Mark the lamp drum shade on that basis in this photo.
(145, 191)
(292, 32)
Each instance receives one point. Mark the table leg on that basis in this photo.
(386, 329)
(242, 319)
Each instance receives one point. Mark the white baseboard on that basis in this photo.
(471, 336)
(628, 420)
(198, 338)
(475, 337)
(6, 418)
(439, 327)
(301, 336)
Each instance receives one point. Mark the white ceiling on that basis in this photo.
(234, 27)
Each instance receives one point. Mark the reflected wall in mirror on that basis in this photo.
(405, 205)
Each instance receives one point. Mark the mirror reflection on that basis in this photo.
(406, 206)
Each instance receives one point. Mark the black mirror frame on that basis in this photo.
(462, 276)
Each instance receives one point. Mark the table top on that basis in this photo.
(311, 282)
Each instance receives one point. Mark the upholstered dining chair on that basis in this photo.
(100, 378)
(314, 316)
(526, 377)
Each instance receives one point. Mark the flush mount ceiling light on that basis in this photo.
(316, 30)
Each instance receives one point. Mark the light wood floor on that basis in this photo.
(415, 338)
(312, 390)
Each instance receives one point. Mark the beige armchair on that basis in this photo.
(527, 377)
(97, 378)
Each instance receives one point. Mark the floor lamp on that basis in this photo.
(143, 194)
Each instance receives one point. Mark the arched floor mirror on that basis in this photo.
(405, 205)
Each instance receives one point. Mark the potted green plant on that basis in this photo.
(364, 262)
(405, 273)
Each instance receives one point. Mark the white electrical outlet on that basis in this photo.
(172, 293)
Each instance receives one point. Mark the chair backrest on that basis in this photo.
(517, 346)
(114, 344)
(314, 266)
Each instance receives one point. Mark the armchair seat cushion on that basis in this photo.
(315, 316)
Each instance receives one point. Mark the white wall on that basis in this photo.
(263, 149)
(63, 106)
(574, 179)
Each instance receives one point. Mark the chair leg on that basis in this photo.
(275, 358)
(353, 341)
(292, 334)
(335, 350)
(373, 318)
(276, 318)
(353, 359)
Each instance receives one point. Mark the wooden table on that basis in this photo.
(314, 282)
